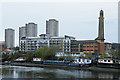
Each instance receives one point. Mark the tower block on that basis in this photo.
(100, 39)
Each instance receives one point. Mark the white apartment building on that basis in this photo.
(33, 43)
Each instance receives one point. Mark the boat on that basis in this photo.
(81, 62)
(37, 60)
(108, 62)
(20, 59)
(56, 62)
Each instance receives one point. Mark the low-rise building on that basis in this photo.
(86, 46)
(108, 47)
(115, 46)
(111, 46)
(3, 46)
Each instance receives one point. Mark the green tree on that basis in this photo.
(28, 56)
(5, 56)
(46, 52)
(51, 52)
(102, 55)
(14, 56)
(70, 58)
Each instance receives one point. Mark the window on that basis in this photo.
(79, 60)
(108, 60)
(87, 60)
(104, 60)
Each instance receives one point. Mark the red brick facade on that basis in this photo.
(87, 46)
(3, 47)
(101, 48)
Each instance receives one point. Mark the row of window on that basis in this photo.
(89, 50)
(89, 46)
(83, 50)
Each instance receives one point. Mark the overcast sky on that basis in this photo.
(78, 19)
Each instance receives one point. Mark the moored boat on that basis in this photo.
(108, 62)
(37, 60)
(56, 62)
(81, 62)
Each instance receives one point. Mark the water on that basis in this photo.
(37, 72)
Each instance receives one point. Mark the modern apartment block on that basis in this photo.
(33, 43)
(10, 37)
(52, 28)
(22, 32)
(29, 30)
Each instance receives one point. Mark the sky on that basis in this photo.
(76, 18)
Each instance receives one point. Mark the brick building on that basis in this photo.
(86, 46)
(2, 46)
(91, 46)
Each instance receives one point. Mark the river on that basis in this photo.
(39, 72)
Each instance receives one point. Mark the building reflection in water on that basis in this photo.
(36, 72)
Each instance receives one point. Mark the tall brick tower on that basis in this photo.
(100, 39)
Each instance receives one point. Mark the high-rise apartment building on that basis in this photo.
(31, 30)
(10, 37)
(22, 32)
(52, 28)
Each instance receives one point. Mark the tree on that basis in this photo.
(46, 52)
(5, 56)
(52, 52)
(70, 58)
(29, 55)
(103, 54)
(115, 53)
(88, 54)
(15, 56)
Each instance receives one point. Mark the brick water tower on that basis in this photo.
(100, 39)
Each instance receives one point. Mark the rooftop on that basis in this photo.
(84, 41)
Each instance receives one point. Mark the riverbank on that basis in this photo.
(48, 65)
(91, 68)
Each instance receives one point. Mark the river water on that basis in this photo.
(38, 72)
